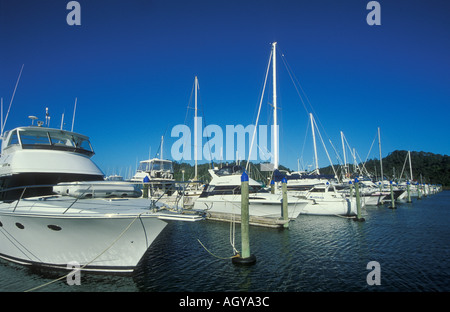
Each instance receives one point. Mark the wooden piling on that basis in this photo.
(409, 191)
(358, 202)
(392, 196)
(284, 211)
(246, 258)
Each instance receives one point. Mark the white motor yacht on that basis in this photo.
(103, 226)
(158, 176)
(326, 200)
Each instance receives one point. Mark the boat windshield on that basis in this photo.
(156, 165)
(42, 138)
(229, 170)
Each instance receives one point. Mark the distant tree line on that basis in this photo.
(426, 168)
(204, 176)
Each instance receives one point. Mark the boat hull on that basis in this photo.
(258, 206)
(345, 207)
(102, 243)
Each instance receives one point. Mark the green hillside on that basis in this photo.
(426, 167)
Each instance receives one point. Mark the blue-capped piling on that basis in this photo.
(392, 196)
(284, 206)
(245, 258)
(358, 202)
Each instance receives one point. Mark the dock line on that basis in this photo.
(237, 255)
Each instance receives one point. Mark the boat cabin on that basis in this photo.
(157, 168)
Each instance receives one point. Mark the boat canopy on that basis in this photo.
(230, 170)
(49, 139)
(156, 165)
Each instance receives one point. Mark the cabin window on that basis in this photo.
(156, 166)
(160, 165)
(83, 144)
(143, 166)
(227, 190)
(234, 190)
(52, 139)
(32, 138)
(14, 139)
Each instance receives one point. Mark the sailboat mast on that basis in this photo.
(343, 149)
(410, 165)
(314, 142)
(162, 147)
(381, 159)
(195, 128)
(275, 121)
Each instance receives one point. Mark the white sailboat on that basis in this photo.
(321, 199)
(223, 195)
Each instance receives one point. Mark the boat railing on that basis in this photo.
(87, 191)
(156, 190)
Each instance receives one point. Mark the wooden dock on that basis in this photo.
(272, 222)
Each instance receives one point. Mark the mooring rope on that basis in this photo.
(226, 258)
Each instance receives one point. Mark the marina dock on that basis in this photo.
(271, 222)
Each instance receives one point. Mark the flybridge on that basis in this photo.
(46, 138)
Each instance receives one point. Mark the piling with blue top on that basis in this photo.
(392, 196)
(146, 187)
(272, 187)
(284, 211)
(381, 194)
(409, 191)
(358, 202)
(245, 258)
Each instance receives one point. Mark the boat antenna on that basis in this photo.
(33, 118)
(10, 103)
(62, 120)
(47, 117)
(74, 110)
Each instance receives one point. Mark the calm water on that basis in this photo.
(317, 253)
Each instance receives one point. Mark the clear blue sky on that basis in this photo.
(131, 65)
